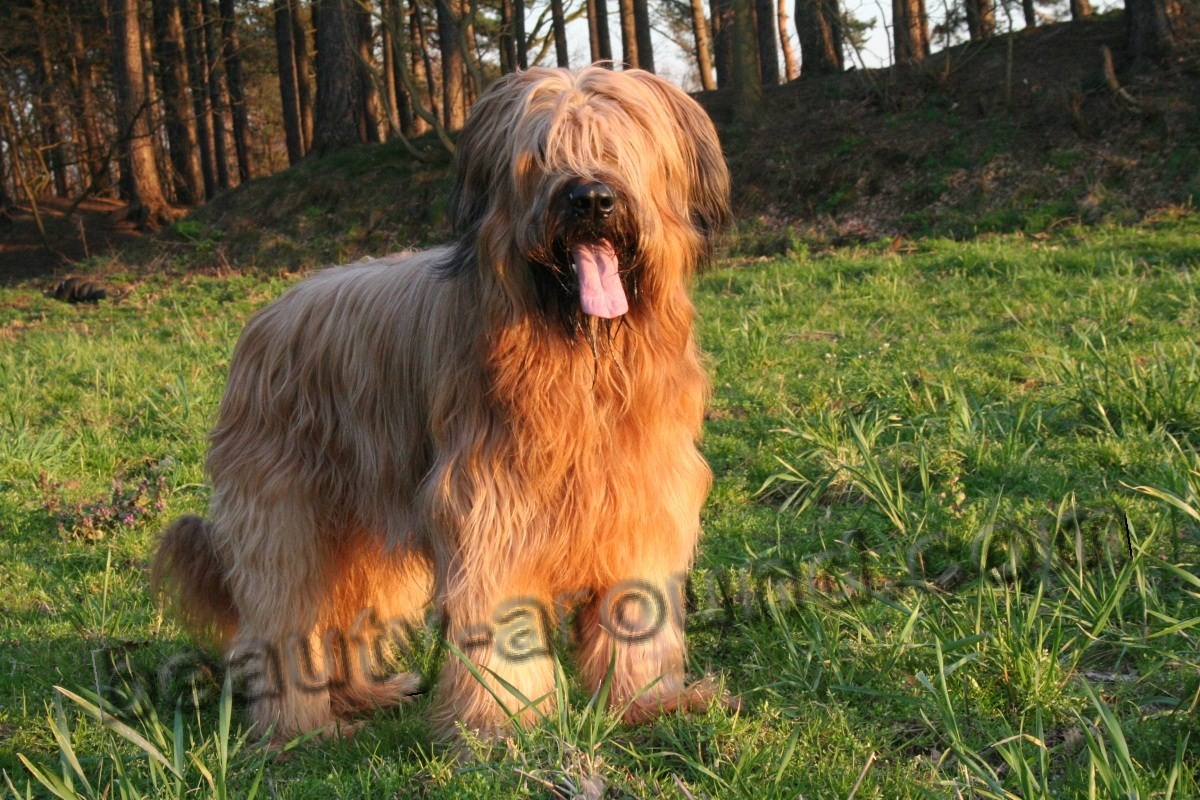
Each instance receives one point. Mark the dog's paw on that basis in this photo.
(693, 698)
(368, 697)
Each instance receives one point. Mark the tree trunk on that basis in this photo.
(1030, 12)
(237, 95)
(47, 109)
(182, 140)
(768, 49)
(722, 26)
(82, 81)
(289, 93)
(304, 71)
(6, 203)
(1081, 9)
(399, 108)
(981, 19)
(645, 47)
(629, 41)
(453, 100)
(338, 123)
(747, 86)
(216, 94)
(598, 36)
(370, 119)
(475, 66)
(507, 43)
(703, 45)
(559, 22)
(197, 70)
(791, 65)
(910, 31)
(818, 24)
(422, 61)
(148, 204)
(1149, 31)
(157, 123)
(519, 34)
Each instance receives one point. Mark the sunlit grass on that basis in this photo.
(951, 549)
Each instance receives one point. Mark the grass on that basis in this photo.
(951, 549)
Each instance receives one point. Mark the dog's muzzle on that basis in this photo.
(601, 293)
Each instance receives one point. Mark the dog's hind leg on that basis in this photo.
(382, 594)
(277, 561)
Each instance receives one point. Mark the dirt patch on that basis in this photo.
(94, 229)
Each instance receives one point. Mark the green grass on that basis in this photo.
(951, 549)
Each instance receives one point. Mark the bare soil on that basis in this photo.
(94, 229)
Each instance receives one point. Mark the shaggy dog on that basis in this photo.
(490, 427)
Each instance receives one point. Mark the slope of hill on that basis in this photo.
(1019, 133)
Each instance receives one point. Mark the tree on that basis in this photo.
(339, 88)
(1029, 11)
(182, 141)
(449, 33)
(599, 39)
(46, 108)
(231, 50)
(522, 41)
(422, 63)
(148, 205)
(981, 19)
(399, 102)
(559, 23)
(910, 31)
(768, 48)
(747, 75)
(197, 67)
(216, 94)
(645, 47)
(301, 33)
(819, 26)
(370, 117)
(629, 39)
(722, 24)
(790, 64)
(289, 89)
(84, 76)
(1149, 31)
(703, 45)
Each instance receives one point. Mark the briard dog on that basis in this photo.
(503, 428)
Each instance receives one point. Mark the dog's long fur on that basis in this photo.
(449, 427)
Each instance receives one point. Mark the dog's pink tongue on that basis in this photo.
(600, 291)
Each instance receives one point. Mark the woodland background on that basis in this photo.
(160, 106)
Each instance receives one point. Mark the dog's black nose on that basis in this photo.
(592, 199)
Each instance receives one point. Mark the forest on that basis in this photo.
(161, 105)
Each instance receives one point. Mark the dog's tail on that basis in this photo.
(188, 574)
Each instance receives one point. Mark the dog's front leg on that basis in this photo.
(632, 633)
(496, 607)
(499, 668)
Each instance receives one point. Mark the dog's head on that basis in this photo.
(594, 191)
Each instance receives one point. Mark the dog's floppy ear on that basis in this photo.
(708, 175)
(479, 155)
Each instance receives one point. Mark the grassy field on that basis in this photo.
(951, 550)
